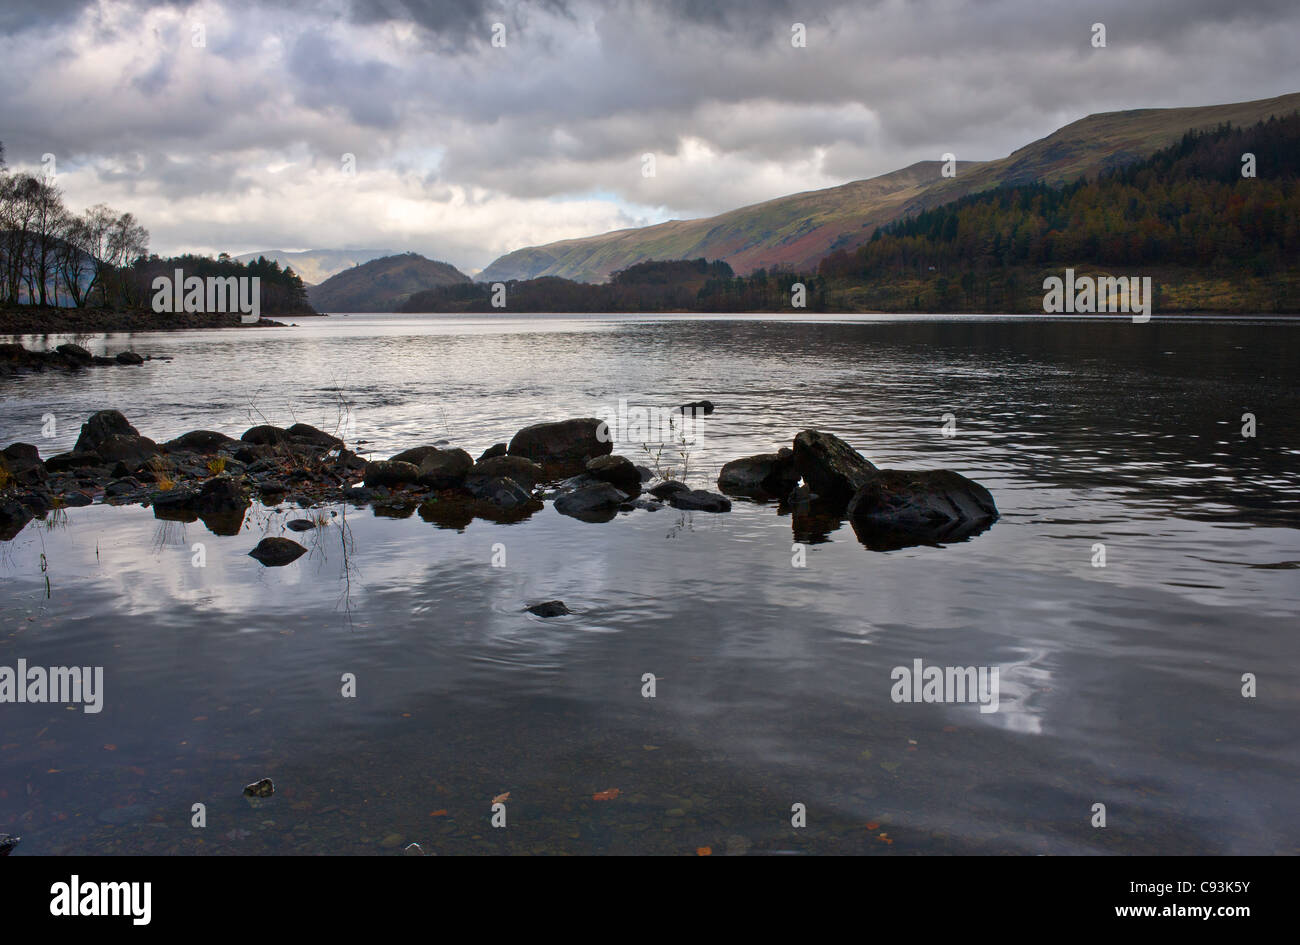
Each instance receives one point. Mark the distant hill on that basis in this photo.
(797, 231)
(316, 265)
(383, 285)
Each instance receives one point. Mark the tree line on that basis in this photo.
(51, 255)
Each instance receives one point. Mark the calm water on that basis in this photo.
(1119, 685)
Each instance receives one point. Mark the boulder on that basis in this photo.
(496, 449)
(201, 441)
(550, 608)
(129, 357)
(895, 508)
(100, 427)
(75, 352)
(415, 455)
(523, 471)
(277, 552)
(697, 407)
(445, 469)
(75, 459)
(310, 435)
(502, 492)
(131, 451)
(597, 502)
(698, 500)
(833, 470)
(618, 471)
(221, 494)
(22, 462)
(265, 434)
(563, 443)
(391, 473)
(765, 476)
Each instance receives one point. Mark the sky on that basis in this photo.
(241, 125)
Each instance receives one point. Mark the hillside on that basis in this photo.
(316, 265)
(797, 231)
(383, 285)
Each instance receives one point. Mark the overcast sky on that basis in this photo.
(464, 150)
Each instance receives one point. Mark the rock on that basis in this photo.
(550, 608)
(445, 469)
(698, 500)
(765, 476)
(895, 508)
(564, 443)
(201, 441)
(14, 517)
(129, 357)
(391, 473)
(100, 427)
(493, 451)
(697, 407)
(75, 352)
(415, 455)
(221, 494)
(120, 487)
(38, 503)
(502, 492)
(645, 473)
(300, 525)
(262, 788)
(277, 552)
(132, 451)
(413, 849)
(306, 433)
(523, 471)
(265, 435)
(598, 502)
(8, 842)
(662, 490)
(649, 505)
(831, 468)
(64, 462)
(76, 500)
(22, 461)
(618, 471)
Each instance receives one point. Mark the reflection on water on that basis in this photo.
(1119, 685)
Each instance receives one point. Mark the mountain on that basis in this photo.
(798, 230)
(382, 285)
(316, 265)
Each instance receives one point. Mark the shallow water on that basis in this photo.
(1119, 685)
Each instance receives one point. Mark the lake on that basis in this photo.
(772, 640)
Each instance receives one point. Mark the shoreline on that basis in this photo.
(59, 321)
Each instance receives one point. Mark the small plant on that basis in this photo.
(162, 473)
(216, 465)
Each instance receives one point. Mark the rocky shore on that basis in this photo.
(52, 320)
(208, 476)
(15, 359)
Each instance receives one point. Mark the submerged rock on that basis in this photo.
(697, 407)
(765, 476)
(262, 788)
(662, 490)
(8, 842)
(300, 525)
(831, 468)
(896, 508)
(128, 357)
(277, 552)
(550, 608)
(76, 352)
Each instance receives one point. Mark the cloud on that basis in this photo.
(464, 150)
